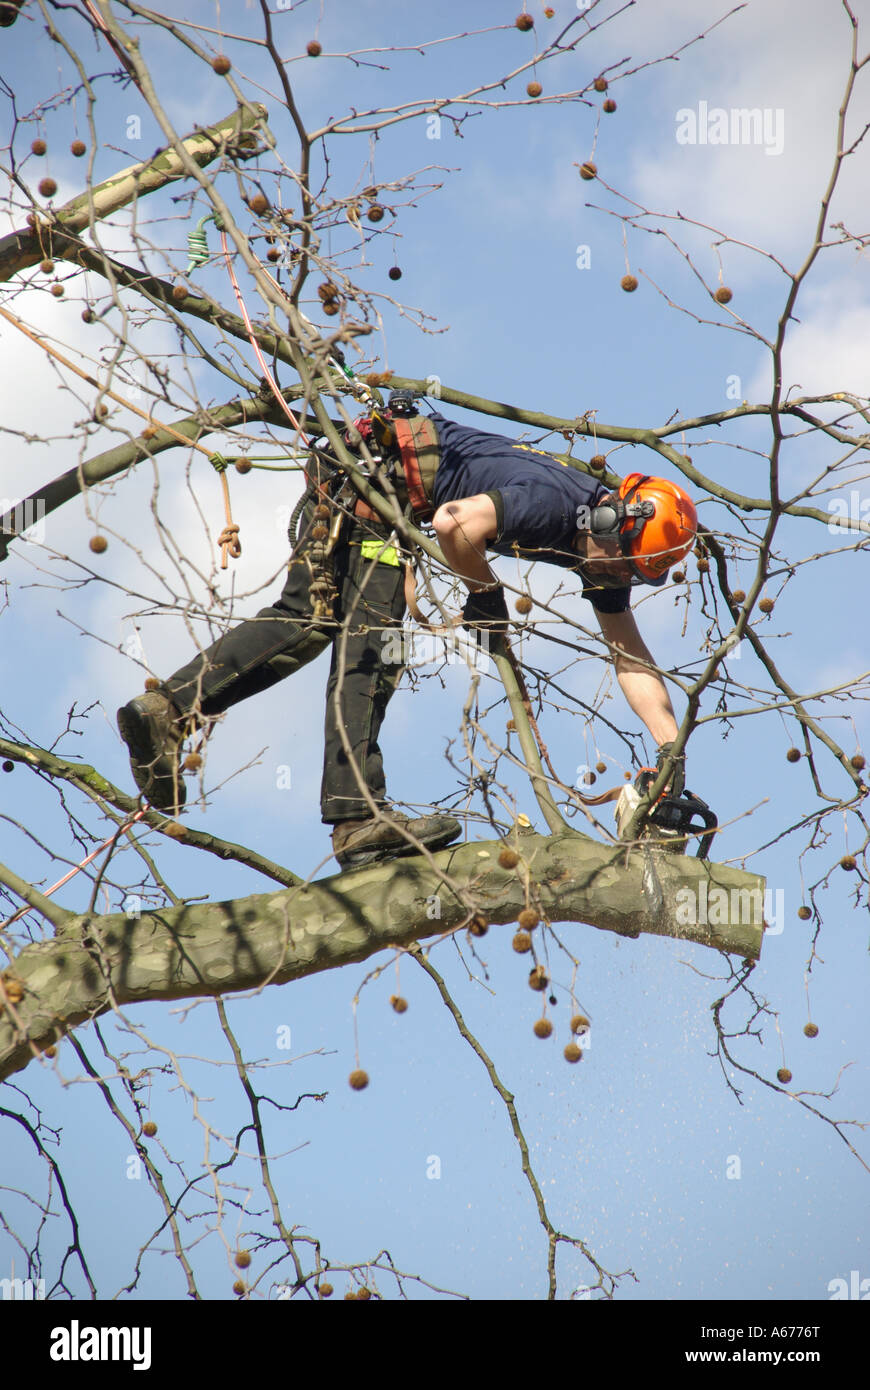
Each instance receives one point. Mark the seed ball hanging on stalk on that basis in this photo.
(221, 65)
(588, 170)
(538, 978)
(783, 1076)
(811, 1030)
(524, 22)
(78, 148)
(628, 283)
(572, 1052)
(47, 188)
(543, 1028)
(358, 1079)
(723, 295)
(313, 49)
(534, 89)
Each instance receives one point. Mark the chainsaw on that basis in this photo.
(671, 821)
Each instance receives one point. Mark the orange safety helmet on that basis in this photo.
(655, 522)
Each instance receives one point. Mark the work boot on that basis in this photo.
(357, 842)
(151, 727)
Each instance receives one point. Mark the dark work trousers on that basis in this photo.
(280, 640)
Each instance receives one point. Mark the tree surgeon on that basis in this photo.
(345, 585)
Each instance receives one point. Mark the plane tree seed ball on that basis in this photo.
(221, 65)
(538, 978)
(8, 766)
(394, 273)
(783, 1076)
(848, 862)
(375, 213)
(508, 858)
(38, 147)
(628, 283)
(600, 84)
(152, 683)
(601, 767)
(98, 544)
(528, 919)
(739, 596)
(811, 1030)
(794, 755)
(609, 106)
(273, 254)
(325, 1290)
(46, 267)
(524, 22)
(543, 1028)
(804, 913)
(313, 49)
(259, 203)
(523, 604)
(398, 1003)
(723, 295)
(857, 762)
(47, 188)
(598, 462)
(522, 942)
(149, 1128)
(678, 577)
(588, 170)
(78, 148)
(534, 89)
(363, 1295)
(193, 762)
(243, 1259)
(57, 291)
(703, 566)
(766, 605)
(579, 1023)
(358, 1079)
(572, 1053)
(478, 925)
(239, 1286)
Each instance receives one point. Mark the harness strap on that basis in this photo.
(420, 453)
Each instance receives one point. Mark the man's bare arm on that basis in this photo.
(643, 688)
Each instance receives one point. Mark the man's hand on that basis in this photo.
(486, 610)
(677, 784)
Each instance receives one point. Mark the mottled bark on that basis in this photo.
(217, 948)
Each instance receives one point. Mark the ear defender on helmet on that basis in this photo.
(653, 519)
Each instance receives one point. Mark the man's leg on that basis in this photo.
(366, 668)
(250, 658)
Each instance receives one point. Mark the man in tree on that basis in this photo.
(481, 491)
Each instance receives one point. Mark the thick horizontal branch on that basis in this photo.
(216, 948)
(235, 134)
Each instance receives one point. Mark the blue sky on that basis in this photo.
(632, 1147)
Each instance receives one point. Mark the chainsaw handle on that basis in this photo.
(697, 807)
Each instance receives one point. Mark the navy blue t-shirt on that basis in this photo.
(539, 499)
